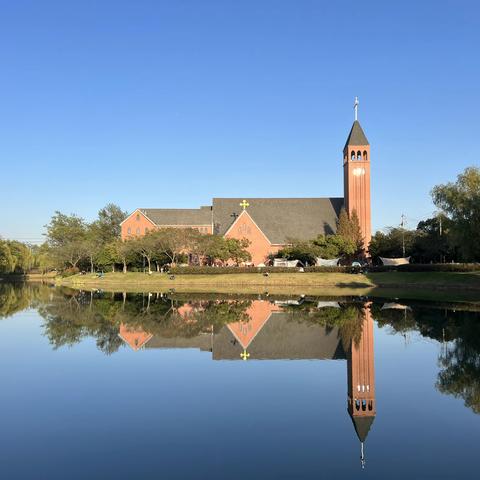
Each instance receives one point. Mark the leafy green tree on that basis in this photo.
(324, 246)
(433, 241)
(461, 203)
(334, 246)
(172, 242)
(349, 228)
(390, 244)
(22, 256)
(306, 252)
(43, 258)
(215, 248)
(237, 250)
(7, 261)
(147, 246)
(64, 229)
(124, 251)
(107, 227)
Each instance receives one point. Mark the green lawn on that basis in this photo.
(412, 285)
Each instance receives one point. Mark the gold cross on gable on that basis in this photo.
(244, 355)
(244, 204)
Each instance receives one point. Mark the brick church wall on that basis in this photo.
(260, 247)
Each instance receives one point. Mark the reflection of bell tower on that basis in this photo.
(356, 177)
(361, 380)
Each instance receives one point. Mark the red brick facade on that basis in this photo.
(138, 224)
(260, 247)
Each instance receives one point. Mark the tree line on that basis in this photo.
(73, 244)
(451, 235)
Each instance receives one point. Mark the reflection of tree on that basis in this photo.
(71, 318)
(460, 376)
(15, 297)
(12, 300)
(348, 319)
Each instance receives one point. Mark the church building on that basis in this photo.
(272, 223)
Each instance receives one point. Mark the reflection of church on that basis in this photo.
(271, 332)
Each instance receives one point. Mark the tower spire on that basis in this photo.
(362, 456)
(355, 108)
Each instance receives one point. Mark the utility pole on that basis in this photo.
(402, 224)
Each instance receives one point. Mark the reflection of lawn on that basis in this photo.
(428, 285)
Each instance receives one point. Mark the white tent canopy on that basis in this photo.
(324, 262)
(395, 261)
(283, 262)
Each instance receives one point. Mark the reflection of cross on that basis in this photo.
(244, 355)
(234, 215)
(244, 204)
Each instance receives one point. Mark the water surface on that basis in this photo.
(165, 385)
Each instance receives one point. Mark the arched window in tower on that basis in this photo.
(364, 155)
(359, 155)
(353, 156)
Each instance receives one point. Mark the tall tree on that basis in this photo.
(172, 242)
(348, 227)
(107, 226)
(147, 247)
(7, 261)
(460, 201)
(125, 252)
(64, 229)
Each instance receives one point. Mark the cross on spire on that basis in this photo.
(244, 354)
(355, 108)
(244, 204)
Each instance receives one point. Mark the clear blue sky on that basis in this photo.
(169, 103)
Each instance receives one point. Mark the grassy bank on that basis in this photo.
(412, 285)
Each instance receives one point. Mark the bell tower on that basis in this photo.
(361, 403)
(356, 177)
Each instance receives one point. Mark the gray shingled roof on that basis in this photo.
(362, 426)
(179, 216)
(281, 219)
(356, 135)
(283, 338)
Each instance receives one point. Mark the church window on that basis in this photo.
(357, 404)
(365, 155)
(353, 156)
(359, 155)
(364, 405)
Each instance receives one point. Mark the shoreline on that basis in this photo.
(426, 285)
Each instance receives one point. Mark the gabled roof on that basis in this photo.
(356, 136)
(179, 216)
(281, 337)
(362, 426)
(281, 219)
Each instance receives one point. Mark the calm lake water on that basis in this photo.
(179, 386)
